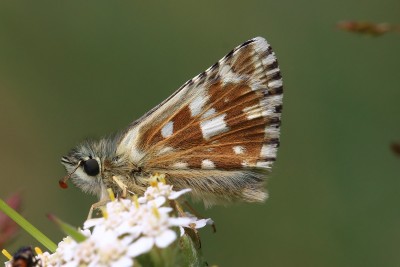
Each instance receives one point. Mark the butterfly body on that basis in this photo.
(218, 134)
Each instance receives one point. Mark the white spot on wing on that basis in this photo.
(207, 164)
(180, 165)
(208, 113)
(269, 59)
(238, 150)
(268, 151)
(253, 112)
(228, 76)
(261, 45)
(275, 83)
(271, 132)
(128, 145)
(247, 109)
(271, 101)
(256, 85)
(196, 106)
(264, 164)
(214, 126)
(272, 71)
(165, 150)
(168, 129)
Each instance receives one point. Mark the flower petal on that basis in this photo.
(180, 221)
(202, 222)
(175, 195)
(165, 238)
(92, 222)
(141, 246)
(122, 262)
(159, 201)
(181, 231)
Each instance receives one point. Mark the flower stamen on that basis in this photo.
(111, 194)
(7, 254)
(135, 201)
(153, 183)
(104, 212)
(38, 251)
(156, 212)
(162, 178)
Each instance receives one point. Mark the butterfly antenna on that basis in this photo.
(63, 182)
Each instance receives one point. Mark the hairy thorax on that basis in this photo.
(122, 173)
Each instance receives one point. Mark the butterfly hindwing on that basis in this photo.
(219, 132)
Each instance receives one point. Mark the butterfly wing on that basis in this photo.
(218, 133)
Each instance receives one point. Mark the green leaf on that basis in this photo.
(27, 226)
(68, 229)
(191, 254)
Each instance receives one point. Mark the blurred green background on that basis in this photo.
(76, 69)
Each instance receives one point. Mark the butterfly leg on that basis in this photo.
(104, 201)
(178, 208)
(96, 206)
(121, 185)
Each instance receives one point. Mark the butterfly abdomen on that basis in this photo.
(220, 187)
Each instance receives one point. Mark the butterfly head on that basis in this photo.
(85, 165)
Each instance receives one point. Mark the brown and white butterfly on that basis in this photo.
(218, 134)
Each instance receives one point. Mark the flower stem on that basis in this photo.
(27, 226)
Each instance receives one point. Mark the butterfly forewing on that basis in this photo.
(220, 130)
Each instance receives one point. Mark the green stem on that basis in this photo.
(27, 226)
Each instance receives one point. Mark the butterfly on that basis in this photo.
(218, 134)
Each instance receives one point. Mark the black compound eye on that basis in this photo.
(91, 167)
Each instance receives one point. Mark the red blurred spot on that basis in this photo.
(63, 184)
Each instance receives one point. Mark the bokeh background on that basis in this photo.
(76, 69)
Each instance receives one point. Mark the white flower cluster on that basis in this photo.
(127, 229)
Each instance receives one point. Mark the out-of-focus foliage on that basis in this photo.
(8, 228)
(370, 28)
(76, 69)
